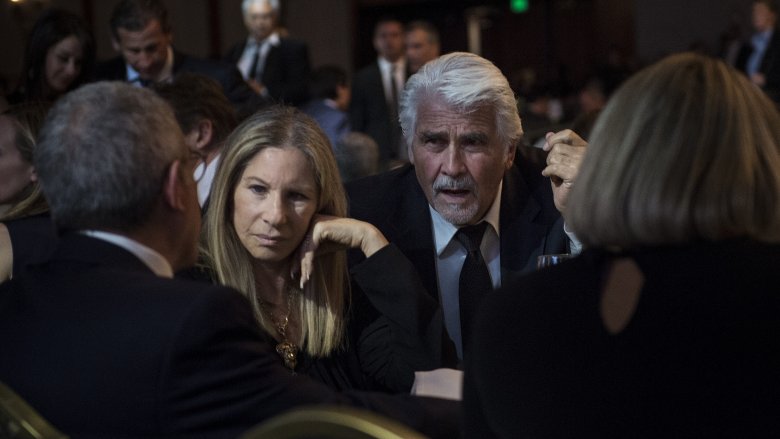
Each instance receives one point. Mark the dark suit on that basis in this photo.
(286, 70)
(769, 65)
(369, 112)
(395, 203)
(102, 347)
(228, 76)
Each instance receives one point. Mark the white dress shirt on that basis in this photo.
(155, 261)
(385, 68)
(204, 184)
(248, 56)
(450, 256)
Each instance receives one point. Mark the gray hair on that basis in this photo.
(103, 154)
(245, 4)
(464, 81)
(357, 155)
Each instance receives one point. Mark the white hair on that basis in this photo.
(464, 81)
(245, 4)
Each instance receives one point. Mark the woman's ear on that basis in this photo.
(33, 175)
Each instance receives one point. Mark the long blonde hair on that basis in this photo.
(27, 119)
(323, 302)
(687, 150)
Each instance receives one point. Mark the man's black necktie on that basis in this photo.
(475, 280)
(255, 61)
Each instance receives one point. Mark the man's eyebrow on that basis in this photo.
(427, 134)
(474, 137)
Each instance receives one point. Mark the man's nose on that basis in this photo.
(453, 161)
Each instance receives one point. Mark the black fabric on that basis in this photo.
(102, 347)
(395, 203)
(33, 239)
(255, 62)
(474, 282)
(699, 357)
(285, 72)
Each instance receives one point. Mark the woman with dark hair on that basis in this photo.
(60, 55)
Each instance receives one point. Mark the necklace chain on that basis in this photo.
(286, 349)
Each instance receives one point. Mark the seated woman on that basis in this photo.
(59, 57)
(26, 232)
(666, 325)
(275, 230)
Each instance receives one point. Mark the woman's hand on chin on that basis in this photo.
(328, 234)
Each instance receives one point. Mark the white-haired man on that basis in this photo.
(465, 212)
(273, 65)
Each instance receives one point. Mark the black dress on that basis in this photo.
(393, 329)
(699, 357)
(33, 239)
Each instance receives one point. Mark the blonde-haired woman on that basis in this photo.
(666, 325)
(26, 232)
(275, 230)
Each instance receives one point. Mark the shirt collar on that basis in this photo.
(385, 65)
(444, 231)
(166, 74)
(272, 40)
(155, 261)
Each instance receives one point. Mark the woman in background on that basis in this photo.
(59, 57)
(666, 326)
(26, 232)
(276, 231)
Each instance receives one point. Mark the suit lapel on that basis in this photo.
(521, 238)
(272, 64)
(413, 232)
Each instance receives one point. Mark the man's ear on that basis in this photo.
(173, 187)
(115, 45)
(510, 156)
(205, 134)
(33, 175)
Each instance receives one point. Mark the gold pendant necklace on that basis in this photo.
(285, 348)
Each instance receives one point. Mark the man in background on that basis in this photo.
(143, 36)
(760, 58)
(422, 44)
(376, 90)
(330, 100)
(275, 66)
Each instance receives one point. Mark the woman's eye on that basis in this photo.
(257, 189)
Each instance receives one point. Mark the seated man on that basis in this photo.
(461, 124)
(99, 339)
(143, 36)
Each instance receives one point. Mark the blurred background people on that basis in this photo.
(143, 37)
(59, 57)
(274, 65)
(26, 232)
(376, 90)
(276, 231)
(206, 118)
(662, 326)
(761, 55)
(331, 94)
(422, 44)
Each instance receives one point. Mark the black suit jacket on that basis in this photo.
(286, 71)
(769, 66)
(369, 112)
(228, 76)
(395, 203)
(102, 347)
